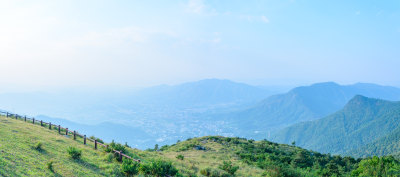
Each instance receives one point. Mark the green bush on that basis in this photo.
(117, 147)
(378, 166)
(97, 139)
(74, 152)
(205, 171)
(129, 167)
(228, 167)
(209, 172)
(50, 166)
(108, 149)
(38, 146)
(109, 157)
(163, 148)
(180, 157)
(158, 168)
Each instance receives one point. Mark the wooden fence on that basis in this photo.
(61, 130)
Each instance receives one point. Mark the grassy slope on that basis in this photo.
(213, 157)
(19, 158)
(254, 158)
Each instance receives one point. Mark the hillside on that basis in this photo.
(362, 121)
(205, 156)
(303, 104)
(18, 156)
(387, 145)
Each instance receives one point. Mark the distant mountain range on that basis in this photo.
(203, 93)
(107, 131)
(361, 127)
(86, 106)
(304, 104)
(165, 114)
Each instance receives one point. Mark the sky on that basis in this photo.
(129, 44)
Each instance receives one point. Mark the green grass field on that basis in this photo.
(203, 156)
(18, 156)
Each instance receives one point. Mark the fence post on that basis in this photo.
(120, 156)
(33, 120)
(7, 114)
(84, 139)
(41, 123)
(25, 118)
(59, 129)
(95, 144)
(16, 116)
(74, 135)
(66, 131)
(50, 125)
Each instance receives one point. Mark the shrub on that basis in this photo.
(117, 147)
(130, 167)
(205, 171)
(50, 166)
(109, 157)
(97, 139)
(180, 157)
(74, 152)
(213, 172)
(158, 168)
(38, 146)
(108, 149)
(163, 148)
(228, 167)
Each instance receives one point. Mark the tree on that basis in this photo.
(375, 166)
(302, 159)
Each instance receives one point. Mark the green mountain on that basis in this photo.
(303, 104)
(387, 145)
(361, 122)
(34, 150)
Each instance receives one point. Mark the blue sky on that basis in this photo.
(127, 44)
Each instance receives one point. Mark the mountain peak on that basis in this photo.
(325, 84)
(362, 102)
(360, 99)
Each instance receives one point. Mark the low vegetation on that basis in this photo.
(205, 156)
(74, 153)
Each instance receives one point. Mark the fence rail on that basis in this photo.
(67, 132)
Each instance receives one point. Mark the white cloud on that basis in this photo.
(200, 8)
(251, 18)
(196, 6)
(247, 17)
(264, 19)
(216, 40)
(358, 12)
